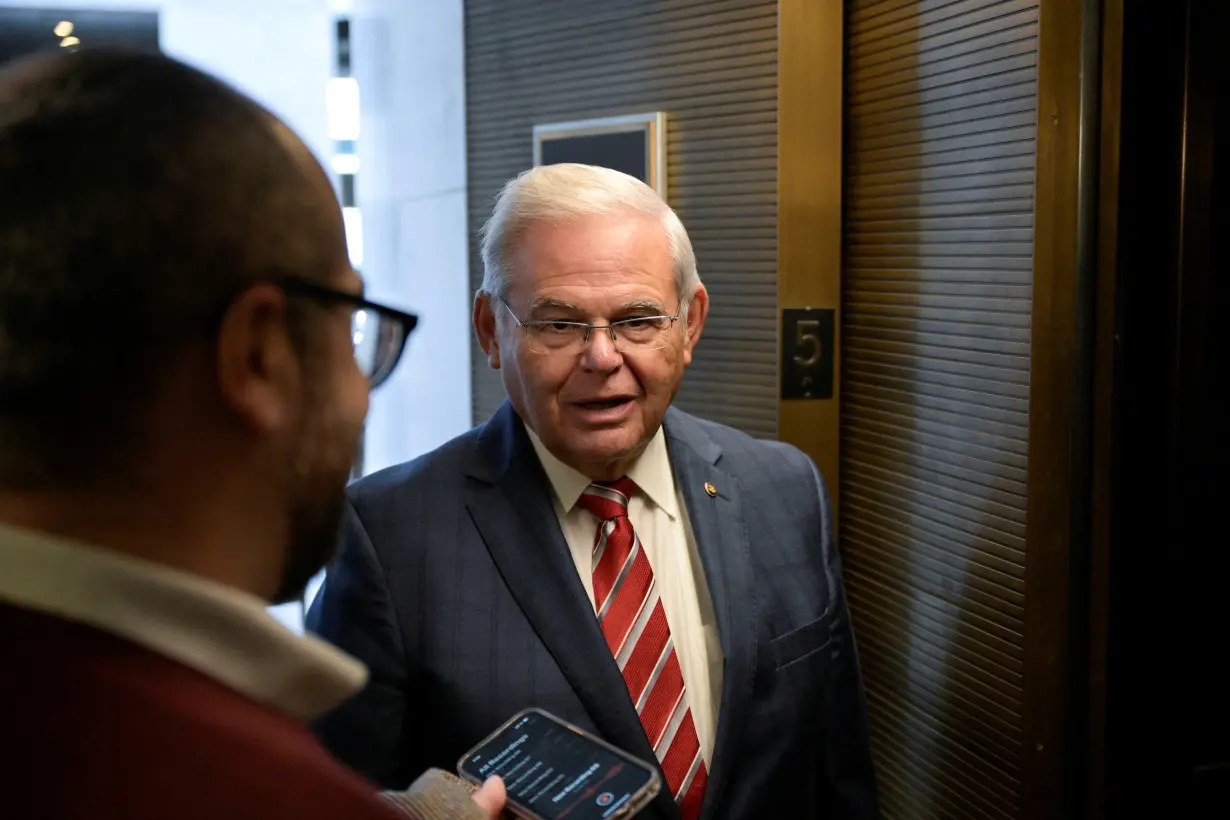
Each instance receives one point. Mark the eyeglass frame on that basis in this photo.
(609, 326)
(408, 321)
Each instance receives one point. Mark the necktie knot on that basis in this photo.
(608, 500)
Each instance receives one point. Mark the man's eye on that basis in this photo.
(557, 327)
(642, 323)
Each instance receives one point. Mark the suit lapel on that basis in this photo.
(509, 500)
(721, 539)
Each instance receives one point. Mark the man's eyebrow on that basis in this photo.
(643, 305)
(548, 302)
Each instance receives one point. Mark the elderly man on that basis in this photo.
(667, 583)
(180, 400)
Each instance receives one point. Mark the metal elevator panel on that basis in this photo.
(935, 355)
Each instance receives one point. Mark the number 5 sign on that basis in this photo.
(807, 353)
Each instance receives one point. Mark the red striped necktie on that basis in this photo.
(634, 623)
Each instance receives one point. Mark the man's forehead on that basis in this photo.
(595, 243)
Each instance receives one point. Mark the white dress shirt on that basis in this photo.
(658, 515)
(218, 631)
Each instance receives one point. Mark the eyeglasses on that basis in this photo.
(562, 337)
(379, 332)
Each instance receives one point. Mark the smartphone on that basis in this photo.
(552, 770)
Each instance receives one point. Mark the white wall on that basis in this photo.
(410, 65)
(408, 56)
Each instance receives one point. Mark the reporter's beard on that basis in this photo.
(313, 541)
(319, 475)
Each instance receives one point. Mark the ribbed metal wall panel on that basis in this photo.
(935, 391)
(712, 66)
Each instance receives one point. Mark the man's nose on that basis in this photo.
(601, 352)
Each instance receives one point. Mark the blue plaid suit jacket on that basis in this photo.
(454, 584)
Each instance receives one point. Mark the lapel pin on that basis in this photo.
(710, 489)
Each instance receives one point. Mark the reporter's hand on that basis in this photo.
(490, 798)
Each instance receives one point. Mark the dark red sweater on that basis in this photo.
(93, 726)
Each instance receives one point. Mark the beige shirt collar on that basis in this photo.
(651, 472)
(220, 632)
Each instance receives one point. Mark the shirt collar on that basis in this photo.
(651, 472)
(220, 632)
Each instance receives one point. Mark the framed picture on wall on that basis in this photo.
(633, 143)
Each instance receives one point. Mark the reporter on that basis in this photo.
(180, 399)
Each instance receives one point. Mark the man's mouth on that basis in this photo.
(604, 404)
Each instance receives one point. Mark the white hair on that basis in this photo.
(567, 191)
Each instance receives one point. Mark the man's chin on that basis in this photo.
(593, 451)
(614, 442)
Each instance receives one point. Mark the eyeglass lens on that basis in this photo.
(377, 343)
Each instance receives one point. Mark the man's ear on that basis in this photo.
(258, 368)
(698, 312)
(486, 328)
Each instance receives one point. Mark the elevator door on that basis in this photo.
(935, 391)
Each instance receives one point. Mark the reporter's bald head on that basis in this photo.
(139, 196)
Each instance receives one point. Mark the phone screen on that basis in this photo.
(553, 770)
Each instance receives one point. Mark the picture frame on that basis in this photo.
(632, 143)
